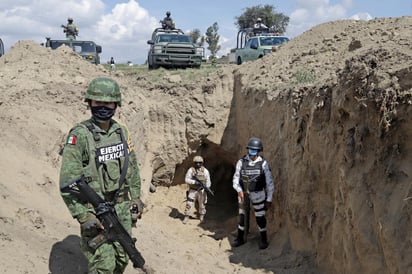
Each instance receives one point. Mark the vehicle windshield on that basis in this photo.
(162, 38)
(272, 41)
(56, 44)
(77, 46)
(87, 47)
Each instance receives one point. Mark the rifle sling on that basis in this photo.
(125, 166)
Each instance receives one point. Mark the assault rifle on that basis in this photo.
(106, 213)
(69, 31)
(202, 185)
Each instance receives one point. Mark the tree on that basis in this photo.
(195, 35)
(212, 39)
(275, 21)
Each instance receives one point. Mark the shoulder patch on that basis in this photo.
(71, 140)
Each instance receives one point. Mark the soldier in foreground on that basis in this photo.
(254, 184)
(198, 179)
(71, 30)
(100, 149)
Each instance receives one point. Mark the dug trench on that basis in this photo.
(331, 106)
(339, 153)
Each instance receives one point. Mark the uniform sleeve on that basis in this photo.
(270, 186)
(74, 153)
(236, 177)
(189, 176)
(134, 179)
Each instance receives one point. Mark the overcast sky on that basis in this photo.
(122, 28)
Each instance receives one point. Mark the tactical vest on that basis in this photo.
(252, 177)
(105, 169)
(71, 30)
(200, 174)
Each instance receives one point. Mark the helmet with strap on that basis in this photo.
(103, 89)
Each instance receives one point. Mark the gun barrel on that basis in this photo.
(208, 190)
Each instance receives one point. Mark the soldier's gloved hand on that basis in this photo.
(136, 209)
(89, 223)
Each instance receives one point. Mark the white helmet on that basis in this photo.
(259, 19)
(198, 159)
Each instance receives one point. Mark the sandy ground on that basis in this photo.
(332, 107)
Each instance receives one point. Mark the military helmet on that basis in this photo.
(70, 19)
(255, 143)
(198, 159)
(259, 19)
(103, 89)
(168, 13)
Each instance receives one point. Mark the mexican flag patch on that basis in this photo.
(72, 140)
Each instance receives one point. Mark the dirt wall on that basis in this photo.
(339, 151)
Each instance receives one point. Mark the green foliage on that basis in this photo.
(304, 76)
(196, 36)
(212, 39)
(275, 21)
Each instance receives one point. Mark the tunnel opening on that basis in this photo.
(222, 207)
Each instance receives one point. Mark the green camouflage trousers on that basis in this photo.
(110, 257)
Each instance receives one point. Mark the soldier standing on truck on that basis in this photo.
(259, 24)
(259, 27)
(167, 22)
(70, 29)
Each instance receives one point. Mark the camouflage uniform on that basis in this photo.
(99, 154)
(195, 192)
(71, 30)
(167, 22)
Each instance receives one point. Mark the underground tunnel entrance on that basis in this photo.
(221, 207)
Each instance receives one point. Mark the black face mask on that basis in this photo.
(102, 113)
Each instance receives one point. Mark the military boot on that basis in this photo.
(239, 239)
(263, 244)
(202, 219)
(186, 219)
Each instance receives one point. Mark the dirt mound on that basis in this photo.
(331, 107)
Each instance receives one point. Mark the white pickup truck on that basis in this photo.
(253, 44)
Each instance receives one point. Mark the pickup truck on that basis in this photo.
(86, 49)
(171, 48)
(250, 48)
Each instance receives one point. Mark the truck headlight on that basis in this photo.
(199, 51)
(157, 49)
